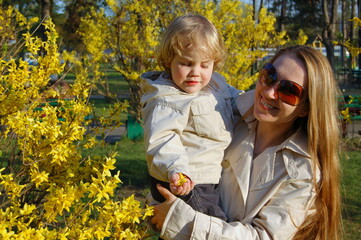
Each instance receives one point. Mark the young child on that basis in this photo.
(188, 114)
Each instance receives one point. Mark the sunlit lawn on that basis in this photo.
(351, 194)
(113, 81)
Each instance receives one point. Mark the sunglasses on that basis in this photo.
(288, 91)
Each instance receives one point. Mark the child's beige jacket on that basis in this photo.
(187, 133)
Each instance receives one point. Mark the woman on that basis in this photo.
(281, 172)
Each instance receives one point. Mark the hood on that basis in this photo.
(158, 84)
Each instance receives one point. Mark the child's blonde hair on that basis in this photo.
(191, 31)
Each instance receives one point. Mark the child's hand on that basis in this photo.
(180, 184)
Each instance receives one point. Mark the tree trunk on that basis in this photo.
(343, 32)
(359, 33)
(46, 8)
(353, 14)
(329, 29)
(352, 30)
(283, 15)
(254, 10)
(260, 6)
(46, 13)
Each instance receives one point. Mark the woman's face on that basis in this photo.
(268, 107)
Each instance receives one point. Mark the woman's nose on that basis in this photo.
(271, 92)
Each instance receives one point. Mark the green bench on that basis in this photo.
(354, 107)
(356, 76)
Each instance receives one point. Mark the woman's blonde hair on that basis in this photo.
(191, 31)
(322, 126)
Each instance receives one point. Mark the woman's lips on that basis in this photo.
(266, 105)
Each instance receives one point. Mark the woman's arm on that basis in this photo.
(277, 219)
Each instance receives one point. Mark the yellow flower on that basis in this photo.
(38, 177)
(346, 115)
(182, 179)
(27, 209)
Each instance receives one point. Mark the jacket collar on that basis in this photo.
(244, 102)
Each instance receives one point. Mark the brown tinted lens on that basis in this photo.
(268, 75)
(290, 92)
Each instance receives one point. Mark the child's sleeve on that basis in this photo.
(163, 127)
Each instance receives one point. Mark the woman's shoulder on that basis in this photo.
(219, 84)
(245, 101)
(217, 77)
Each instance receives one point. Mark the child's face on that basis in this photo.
(191, 71)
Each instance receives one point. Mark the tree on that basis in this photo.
(74, 11)
(351, 38)
(293, 15)
(282, 16)
(46, 8)
(256, 8)
(318, 19)
(330, 27)
(133, 29)
(28, 8)
(46, 12)
(359, 31)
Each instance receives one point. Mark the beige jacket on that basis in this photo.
(263, 198)
(187, 133)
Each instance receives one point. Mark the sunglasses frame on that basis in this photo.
(268, 77)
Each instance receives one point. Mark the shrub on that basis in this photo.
(48, 189)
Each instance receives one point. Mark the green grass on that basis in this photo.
(351, 194)
(115, 81)
(100, 104)
(131, 163)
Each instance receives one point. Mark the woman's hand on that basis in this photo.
(161, 210)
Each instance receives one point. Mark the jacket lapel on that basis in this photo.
(242, 164)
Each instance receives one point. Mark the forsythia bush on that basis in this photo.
(48, 188)
(132, 30)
